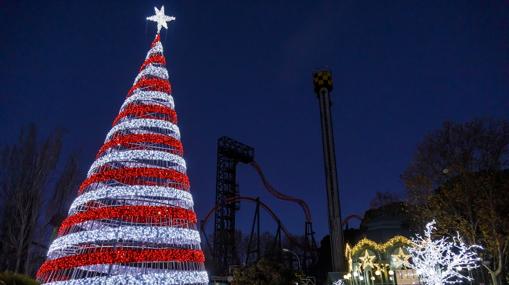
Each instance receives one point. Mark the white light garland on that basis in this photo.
(105, 224)
(179, 198)
(116, 269)
(166, 278)
(153, 97)
(140, 158)
(131, 125)
(437, 261)
(162, 235)
(152, 70)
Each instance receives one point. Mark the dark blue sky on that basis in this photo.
(243, 69)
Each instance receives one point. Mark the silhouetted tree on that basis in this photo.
(27, 170)
(459, 177)
(383, 198)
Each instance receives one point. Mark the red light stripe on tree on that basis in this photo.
(144, 111)
(157, 59)
(151, 84)
(140, 214)
(135, 176)
(156, 39)
(116, 256)
(131, 139)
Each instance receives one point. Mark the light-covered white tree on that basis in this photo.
(444, 260)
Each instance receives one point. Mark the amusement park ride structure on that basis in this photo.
(229, 153)
(322, 81)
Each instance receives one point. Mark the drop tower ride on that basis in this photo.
(322, 81)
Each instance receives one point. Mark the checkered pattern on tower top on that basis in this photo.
(133, 221)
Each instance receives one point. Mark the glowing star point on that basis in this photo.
(160, 18)
(367, 260)
(400, 259)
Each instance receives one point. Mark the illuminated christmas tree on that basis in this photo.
(133, 221)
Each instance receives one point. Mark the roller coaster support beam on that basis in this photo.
(255, 234)
(309, 257)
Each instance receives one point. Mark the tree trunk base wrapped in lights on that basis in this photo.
(133, 221)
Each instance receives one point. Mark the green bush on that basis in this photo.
(11, 278)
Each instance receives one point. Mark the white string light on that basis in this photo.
(170, 277)
(155, 97)
(140, 158)
(133, 124)
(152, 70)
(168, 235)
(436, 261)
(116, 269)
(105, 224)
(172, 195)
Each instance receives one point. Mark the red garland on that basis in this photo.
(136, 176)
(112, 256)
(156, 39)
(131, 140)
(157, 59)
(152, 84)
(139, 214)
(145, 111)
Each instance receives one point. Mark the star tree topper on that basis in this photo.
(160, 18)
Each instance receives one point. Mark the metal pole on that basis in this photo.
(323, 85)
(292, 252)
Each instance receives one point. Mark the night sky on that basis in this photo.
(243, 69)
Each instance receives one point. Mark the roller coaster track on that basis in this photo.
(350, 217)
(264, 206)
(271, 213)
(279, 195)
(300, 202)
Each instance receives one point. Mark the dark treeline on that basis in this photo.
(36, 183)
(459, 176)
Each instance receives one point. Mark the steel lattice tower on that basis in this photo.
(229, 154)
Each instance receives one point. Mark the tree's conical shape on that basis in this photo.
(133, 221)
